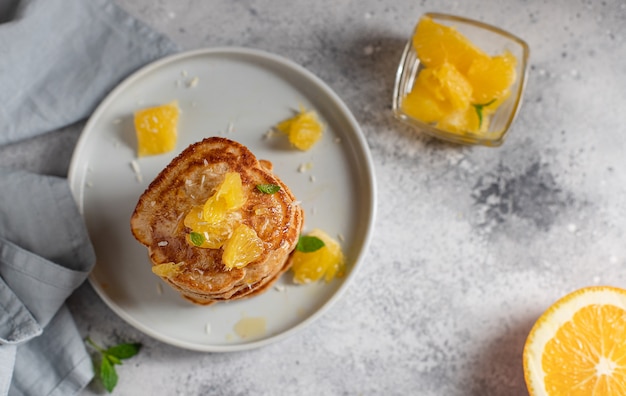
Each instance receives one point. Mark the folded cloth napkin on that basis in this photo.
(58, 59)
(44, 255)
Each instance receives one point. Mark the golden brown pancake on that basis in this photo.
(188, 181)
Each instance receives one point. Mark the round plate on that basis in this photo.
(239, 94)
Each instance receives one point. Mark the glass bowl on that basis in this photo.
(491, 40)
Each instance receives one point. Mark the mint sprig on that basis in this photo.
(111, 357)
(479, 110)
(268, 188)
(308, 244)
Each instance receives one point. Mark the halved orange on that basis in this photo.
(578, 346)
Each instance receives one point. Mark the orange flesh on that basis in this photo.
(588, 354)
(156, 129)
(304, 129)
(217, 223)
(327, 262)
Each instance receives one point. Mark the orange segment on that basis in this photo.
(448, 85)
(464, 120)
(578, 346)
(155, 128)
(491, 77)
(214, 234)
(436, 43)
(167, 270)
(437, 92)
(242, 248)
(420, 103)
(304, 129)
(327, 262)
(213, 222)
(228, 197)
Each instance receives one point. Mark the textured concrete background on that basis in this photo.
(471, 244)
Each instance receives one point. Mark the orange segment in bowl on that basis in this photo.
(422, 104)
(578, 346)
(438, 91)
(463, 120)
(436, 43)
(448, 85)
(492, 77)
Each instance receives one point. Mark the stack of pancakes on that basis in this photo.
(188, 181)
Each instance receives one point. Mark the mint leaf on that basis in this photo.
(196, 238)
(479, 110)
(308, 244)
(109, 358)
(108, 375)
(123, 351)
(113, 359)
(268, 188)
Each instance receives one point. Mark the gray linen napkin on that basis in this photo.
(44, 255)
(58, 59)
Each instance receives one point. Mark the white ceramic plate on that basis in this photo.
(239, 94)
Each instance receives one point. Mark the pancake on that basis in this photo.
(188, 181)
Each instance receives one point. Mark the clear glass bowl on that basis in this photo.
(491, 40)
